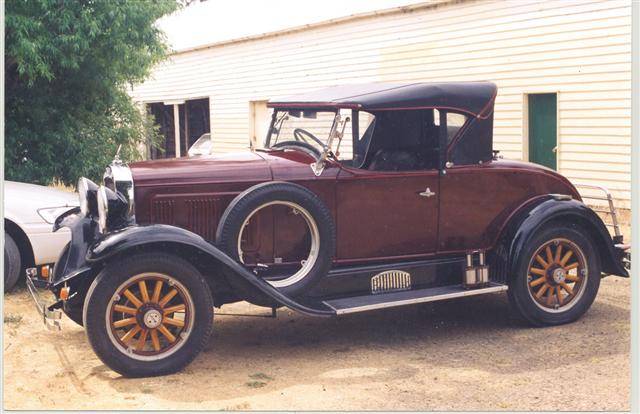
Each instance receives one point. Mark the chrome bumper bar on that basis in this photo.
(626, 255)
(610, 209)
(50, 317)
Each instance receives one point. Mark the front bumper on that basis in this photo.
(51, 314)
(625, 255)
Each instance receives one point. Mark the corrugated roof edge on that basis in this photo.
(384, 12)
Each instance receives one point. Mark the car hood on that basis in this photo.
(245, 166)
(22, 201)
(38, 196)
(236, 166)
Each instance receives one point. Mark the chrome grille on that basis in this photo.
(390, 281)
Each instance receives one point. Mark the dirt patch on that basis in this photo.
(464, 354)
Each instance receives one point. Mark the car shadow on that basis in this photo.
(250, 355)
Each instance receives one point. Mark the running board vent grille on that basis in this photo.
(390, 281)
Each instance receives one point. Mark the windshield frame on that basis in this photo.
(329, 149)
(276, 119)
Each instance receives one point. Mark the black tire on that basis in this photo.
(522, 299)
(231, 222)
(120, 272)
(12, 263)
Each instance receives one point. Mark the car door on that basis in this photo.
(384, 215)
(388, 207)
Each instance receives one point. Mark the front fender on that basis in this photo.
(568, 211)
(123, 240)
(72, 264)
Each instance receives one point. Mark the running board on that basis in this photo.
(408, 297)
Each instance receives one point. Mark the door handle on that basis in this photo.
(427, 193)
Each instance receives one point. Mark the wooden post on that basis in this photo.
(176, 128)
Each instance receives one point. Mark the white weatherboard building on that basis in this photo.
(563, 70)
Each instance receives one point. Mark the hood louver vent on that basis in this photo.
(198, 213)
(163, 211)
(202, 217)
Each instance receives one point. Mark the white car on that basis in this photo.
(29, 213)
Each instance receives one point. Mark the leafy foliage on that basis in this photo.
(68, 66)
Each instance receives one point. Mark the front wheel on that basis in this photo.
(557, 279)
(149, 314)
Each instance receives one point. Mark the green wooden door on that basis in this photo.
(543, 129)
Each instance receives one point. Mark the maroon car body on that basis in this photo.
(364, 197)
(475, 203)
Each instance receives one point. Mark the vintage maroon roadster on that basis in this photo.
(364, 197)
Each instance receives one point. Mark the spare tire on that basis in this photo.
(303, 202)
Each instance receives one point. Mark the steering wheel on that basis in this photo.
(299, 133)
(302, 144)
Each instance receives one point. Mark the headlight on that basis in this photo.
(87, 190)
(112, 209)
(50, 214)
(103, 209)
(118, 178)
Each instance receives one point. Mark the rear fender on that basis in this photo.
(124, 240)
(533, 216)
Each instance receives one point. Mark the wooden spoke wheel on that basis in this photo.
(150, 316)
(557, 275)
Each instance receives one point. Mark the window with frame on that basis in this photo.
(455, 121)
(404, 140)
(409, 140)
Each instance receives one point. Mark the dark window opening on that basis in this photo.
(163, 117)
(193, 119)
(409, 140)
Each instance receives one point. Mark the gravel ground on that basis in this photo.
(464, 354)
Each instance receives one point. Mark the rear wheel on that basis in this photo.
(12, 262)
(148, 315)
(557, 279)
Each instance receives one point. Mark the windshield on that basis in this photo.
(311, 127)
(343, 130)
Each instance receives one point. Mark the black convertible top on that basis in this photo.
(475, 98)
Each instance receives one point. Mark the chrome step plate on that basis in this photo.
(408, 297)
